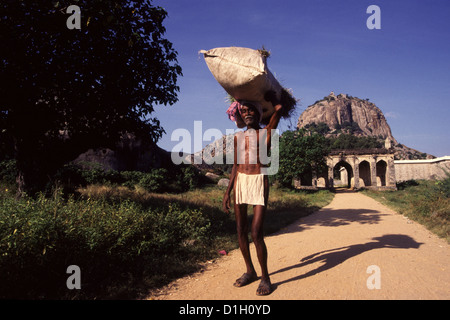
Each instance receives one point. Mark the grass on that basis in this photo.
(285, 206)
(426, 202)
(125, 241)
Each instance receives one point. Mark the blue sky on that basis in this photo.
(319, 46)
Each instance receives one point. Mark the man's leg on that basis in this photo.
(259, 213)
(242, 231)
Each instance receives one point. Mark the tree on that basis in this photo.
(67, 90)
(320, 128)
(348, 141)
(301, 153)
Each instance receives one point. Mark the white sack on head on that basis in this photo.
(244, 75)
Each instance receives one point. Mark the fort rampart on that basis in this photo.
(421, 169)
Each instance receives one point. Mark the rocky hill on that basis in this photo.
(334, 115)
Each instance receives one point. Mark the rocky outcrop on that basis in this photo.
(343, 113)
(346, 114)
(129, 154)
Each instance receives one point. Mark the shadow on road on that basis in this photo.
(333, 257)
(329, 217)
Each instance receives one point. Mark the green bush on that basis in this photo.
(112, 243)
(131, 178)
(101, 176)
(444, 185)
(154, 181)
(190, 178)
(8, 171)
(180, 179)
(72, 176)
(406, 184)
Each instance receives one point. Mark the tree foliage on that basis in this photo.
(65, 91)
(300, 152)
(320, 128)
(348, 141)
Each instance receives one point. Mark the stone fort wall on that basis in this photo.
(421, 169)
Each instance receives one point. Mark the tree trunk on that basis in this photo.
(20, 180)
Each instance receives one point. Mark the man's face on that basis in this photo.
(250, 115)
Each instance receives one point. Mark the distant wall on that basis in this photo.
(421, 169)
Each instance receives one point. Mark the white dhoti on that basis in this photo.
(249, 189)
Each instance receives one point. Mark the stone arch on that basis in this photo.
(344, 177)
(372, 168)
(306, 178)
(365, 173)
(381, 169)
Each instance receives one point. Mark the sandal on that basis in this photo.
(264, 288)
(245, 279)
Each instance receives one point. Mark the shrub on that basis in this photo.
(8, 171)
(95, 174)
(154, 181)
(112, 243)
(73, 175)
(131, 178)
(406, 184)
(180, 179)
(444, 185)
(190, 178)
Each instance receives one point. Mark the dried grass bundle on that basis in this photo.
(287, 100)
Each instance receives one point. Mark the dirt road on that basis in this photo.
(354, 248)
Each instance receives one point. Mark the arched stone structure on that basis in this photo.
(344, 171)
(373, 169)
(381, 173)
(365, 174)
(370, 168)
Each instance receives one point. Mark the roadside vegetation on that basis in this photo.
(126, 231)
(424, 201)
(127, 237)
